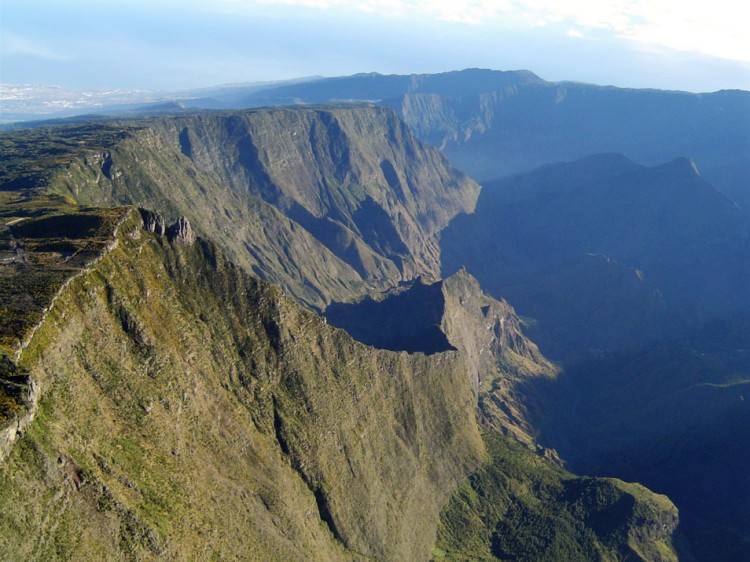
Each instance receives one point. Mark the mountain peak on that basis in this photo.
(681, 165)
(602, 165)
(611, 162)
(477, 71)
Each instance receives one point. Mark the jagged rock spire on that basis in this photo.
(181, 232)
(153, 222)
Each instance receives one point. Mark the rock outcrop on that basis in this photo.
(153, 222)
(181, 232)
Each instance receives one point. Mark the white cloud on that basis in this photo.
(461, 11)
(717, 28)
(574, 33)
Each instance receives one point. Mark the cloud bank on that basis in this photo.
(717, 28)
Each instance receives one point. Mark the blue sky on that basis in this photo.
(171, 45)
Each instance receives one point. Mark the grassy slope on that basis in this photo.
(187, 407)
(188, 410)
(520, 508)
(43, 243)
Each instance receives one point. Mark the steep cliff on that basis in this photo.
(492, 124)
(323, 201)
(185, 410)
(456, 314)
(494, 133)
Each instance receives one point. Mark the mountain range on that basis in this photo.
(300, 332)
(493, 123)
(659, 248)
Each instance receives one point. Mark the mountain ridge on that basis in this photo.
(172, 386)
(516, 126)
(265, 388)
(657, 247)
(372, 219)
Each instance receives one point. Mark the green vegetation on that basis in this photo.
(43, 243)
(31, 157)
(184, 410)
(519, 507)
(38, 255)
(13, 384)
(190, 411)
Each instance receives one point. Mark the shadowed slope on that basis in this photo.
(575, 245)
(323, 201)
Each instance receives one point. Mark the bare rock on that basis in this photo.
(153, 222)
(181, 232)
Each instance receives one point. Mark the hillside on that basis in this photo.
(172, 406)
(455, 314)
(519, 507)
(578, 244)
(181, 407)
(324, 202)
(158, 401)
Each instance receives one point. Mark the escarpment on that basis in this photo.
(326, 202)
(455, 314)
(182, 408)
(186, 408)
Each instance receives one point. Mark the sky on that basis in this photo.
(170, 45)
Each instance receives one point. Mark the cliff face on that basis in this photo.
(332, 162)
(520, 504)
(507, 130)
(456, 314)
(186, 410)
(322, 201)
(504, 364)
(492, 124)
